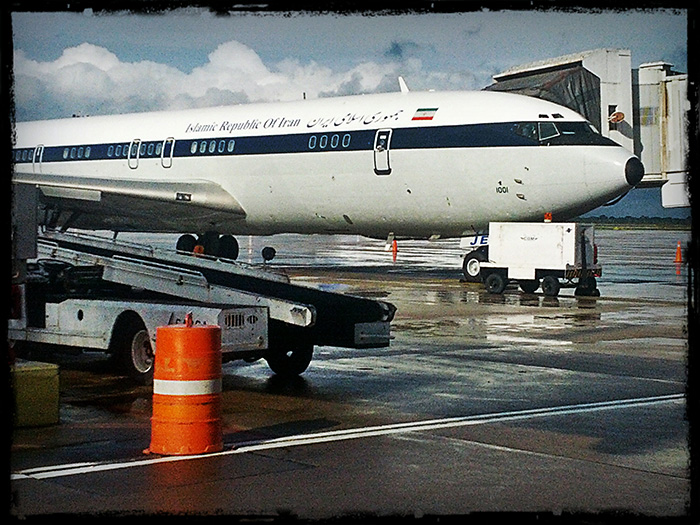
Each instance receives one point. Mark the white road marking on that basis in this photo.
(74, 469)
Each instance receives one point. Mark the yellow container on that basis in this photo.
(35, 388)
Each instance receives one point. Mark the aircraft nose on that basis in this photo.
(634, 171)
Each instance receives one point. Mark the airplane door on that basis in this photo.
(133, 156)
(166, 157)
(382, 140)
(37, 158)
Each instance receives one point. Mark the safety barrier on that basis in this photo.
(187, 405)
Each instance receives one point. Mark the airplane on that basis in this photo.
(408, 164)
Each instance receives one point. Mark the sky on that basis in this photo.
(94, 62)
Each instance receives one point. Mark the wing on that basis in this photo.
(133, 205)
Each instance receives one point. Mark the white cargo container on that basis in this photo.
(553, 254)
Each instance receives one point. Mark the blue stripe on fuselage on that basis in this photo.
(462, 136)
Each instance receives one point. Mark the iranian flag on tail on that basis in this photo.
(425, 114)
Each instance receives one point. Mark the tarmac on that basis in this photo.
(518, 405)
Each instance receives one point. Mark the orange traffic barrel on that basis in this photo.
(187, 405)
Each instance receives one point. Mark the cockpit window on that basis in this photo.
(560, 133)
(548, 130)
(526, 130)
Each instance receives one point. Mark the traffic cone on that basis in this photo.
(679, 254)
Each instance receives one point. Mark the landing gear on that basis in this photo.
(228, 247)
(186, 243)
(210, 243)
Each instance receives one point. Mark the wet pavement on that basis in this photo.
(482, 403)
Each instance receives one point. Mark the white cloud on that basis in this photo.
(88, 79)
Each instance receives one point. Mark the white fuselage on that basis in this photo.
(450, 162)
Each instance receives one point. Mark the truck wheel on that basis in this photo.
(495, 283)
(550, 286)
(290, 363)
(529, 286)
(471, 267)
(131, 347)
(587, 287)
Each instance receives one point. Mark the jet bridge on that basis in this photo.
(644, 110)
(299, 317)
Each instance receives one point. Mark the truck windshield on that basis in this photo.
(561, 133)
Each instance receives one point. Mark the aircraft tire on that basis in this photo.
(495, 283)
(290, 363)
(228, 247)
(268, 253)
(550, 286)
(186, 243)
(210, 242)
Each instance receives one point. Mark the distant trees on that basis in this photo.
(663, 223)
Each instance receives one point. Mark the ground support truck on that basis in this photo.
(546, 254)
(91, 292)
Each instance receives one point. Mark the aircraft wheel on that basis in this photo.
(186, 243)
(268, 253)
(550, 286)
(228, 247)
(210, 242)
(495, 283)
(529, 286)
(290, 363)
(471, 267)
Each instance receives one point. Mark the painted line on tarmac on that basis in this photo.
(74, 469)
